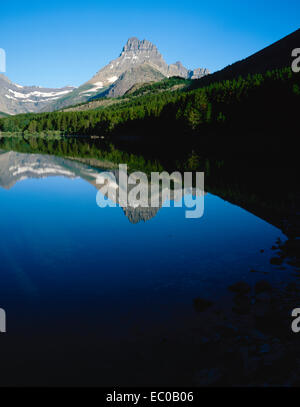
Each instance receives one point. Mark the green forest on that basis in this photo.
(257, 101)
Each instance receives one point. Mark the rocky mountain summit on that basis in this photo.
(136, 58)
(139, 62)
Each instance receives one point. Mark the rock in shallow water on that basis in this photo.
(201, 304)
(240, 287)
(262, 286)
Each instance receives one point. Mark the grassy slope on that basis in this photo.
(2, 114)
(170, 84)
(74, 97)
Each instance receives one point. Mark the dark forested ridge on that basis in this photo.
(276, 56)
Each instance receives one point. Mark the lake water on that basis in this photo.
(95, 297)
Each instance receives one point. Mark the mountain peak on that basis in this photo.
(139, 62)
(132, 39)
(135, 45)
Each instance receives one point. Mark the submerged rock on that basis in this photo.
(240, 287)
(242, 304)
(292, 287)
(262, 286)
(201, 304)
(276, 261)
(263, 297)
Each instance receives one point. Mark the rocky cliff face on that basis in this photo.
(198, 73)
(134, 53)
(144, 73)
(16, 99)
(178, 69)
(136, 58)
(139, 62)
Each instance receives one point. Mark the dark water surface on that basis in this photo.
(93, 298)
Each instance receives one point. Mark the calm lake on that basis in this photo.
(102, 296)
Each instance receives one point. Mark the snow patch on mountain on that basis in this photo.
(16, 99)
(38, 94)
(96, 86)
(112, 79)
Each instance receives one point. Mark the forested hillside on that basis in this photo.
(257, 101)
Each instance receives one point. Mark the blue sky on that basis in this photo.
(56, 43)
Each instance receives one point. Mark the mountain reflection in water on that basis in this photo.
(92, 299)
(16, 167)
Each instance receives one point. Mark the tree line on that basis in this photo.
(255, 101)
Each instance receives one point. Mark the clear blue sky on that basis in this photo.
(55, 43)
